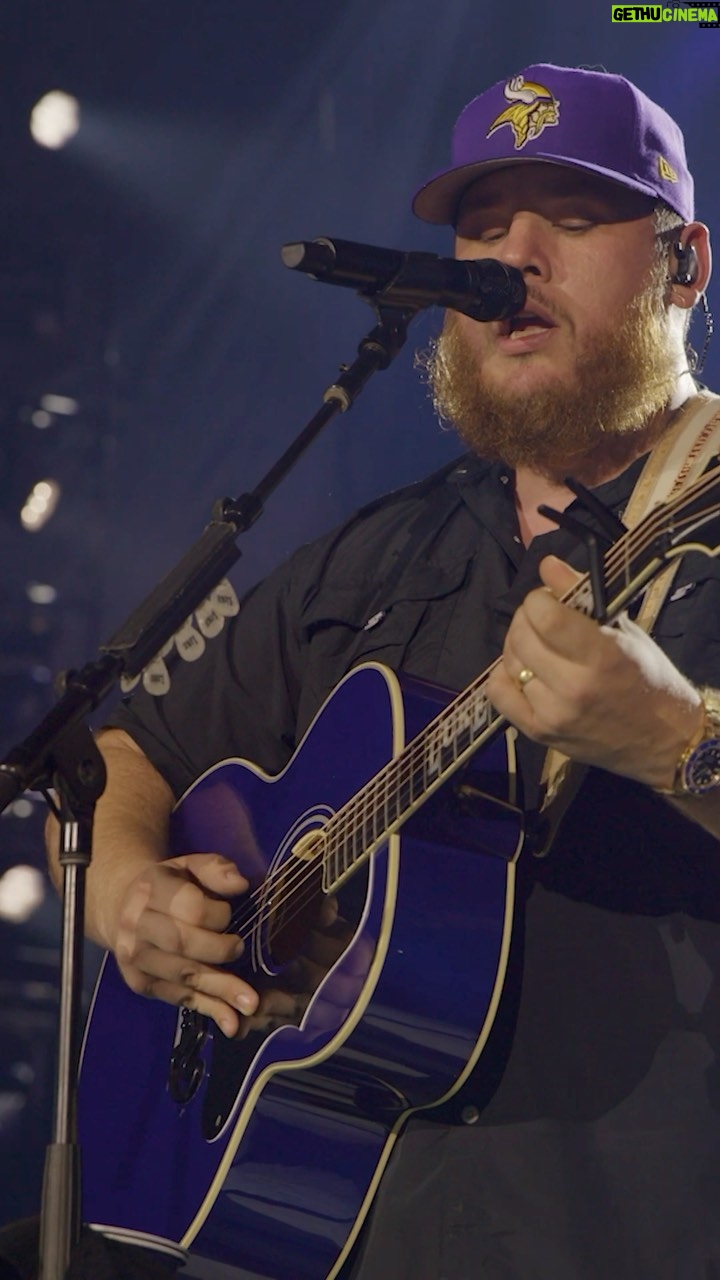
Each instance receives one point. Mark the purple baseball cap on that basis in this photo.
(563, 115)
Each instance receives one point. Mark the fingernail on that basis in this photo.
(227, 1027)
(246, 1003)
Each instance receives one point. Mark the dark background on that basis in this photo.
(140, 275)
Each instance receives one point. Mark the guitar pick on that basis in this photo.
(224, 599)
(209, 619)
(156, 678)
(189, 642)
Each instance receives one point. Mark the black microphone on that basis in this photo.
(483, 289)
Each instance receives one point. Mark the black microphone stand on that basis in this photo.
(60, 753)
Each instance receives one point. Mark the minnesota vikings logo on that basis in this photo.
(532, 108)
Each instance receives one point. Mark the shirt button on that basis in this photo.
(504, 479)
(375, 620)
(516, 538)
(470, 1115)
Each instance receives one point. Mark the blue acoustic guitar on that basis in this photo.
(381, 863)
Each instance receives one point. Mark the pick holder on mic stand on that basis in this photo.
(61, 753)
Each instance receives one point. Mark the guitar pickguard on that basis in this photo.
(287, 995)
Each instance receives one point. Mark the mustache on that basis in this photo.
(549, 305)
(558, 314)
(650, 296)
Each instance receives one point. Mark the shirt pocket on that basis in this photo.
(352, 622)
(688, 627)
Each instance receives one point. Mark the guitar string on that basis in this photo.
(416, 751)
(348, 815)
(413, 758)
(335, 842)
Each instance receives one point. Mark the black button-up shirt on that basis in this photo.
(586, 1145)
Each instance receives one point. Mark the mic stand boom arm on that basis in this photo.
(60, 752)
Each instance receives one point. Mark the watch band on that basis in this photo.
(698, 769)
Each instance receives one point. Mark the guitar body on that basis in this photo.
(261, 1156)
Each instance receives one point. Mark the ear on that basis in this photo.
(694, 237)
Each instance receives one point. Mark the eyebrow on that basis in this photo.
(581, 201)
(583, 193)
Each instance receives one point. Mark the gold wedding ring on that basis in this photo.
(524, 677)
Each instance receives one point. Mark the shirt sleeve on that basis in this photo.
(238, 699)
(257, 685)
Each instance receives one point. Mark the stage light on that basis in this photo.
(59, 404)
(41, 419)
(55, 119)
(41, 592)
(22, 891)
(40, 505)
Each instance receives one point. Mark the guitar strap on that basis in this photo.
(676, 461)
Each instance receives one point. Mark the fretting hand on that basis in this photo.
(603, 695)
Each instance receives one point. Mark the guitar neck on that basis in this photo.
(386, 802)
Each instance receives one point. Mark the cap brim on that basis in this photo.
(438, 200)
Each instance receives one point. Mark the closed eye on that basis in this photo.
(492, 233)
(576, 224)
(488, 235)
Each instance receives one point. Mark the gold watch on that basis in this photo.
(698, 769)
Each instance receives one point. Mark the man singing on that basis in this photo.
(585, 1143)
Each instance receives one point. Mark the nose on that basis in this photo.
(525, 245)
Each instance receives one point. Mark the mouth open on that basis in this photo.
(525, 323)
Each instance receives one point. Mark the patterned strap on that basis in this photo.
(676, 461)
